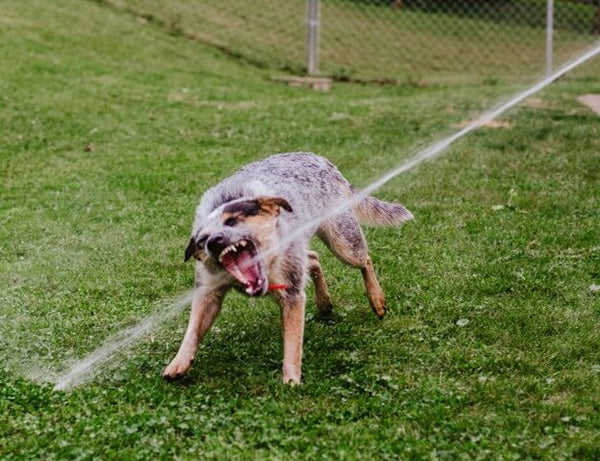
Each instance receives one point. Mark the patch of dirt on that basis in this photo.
(592, 101)
(490, 124)
(536, 103)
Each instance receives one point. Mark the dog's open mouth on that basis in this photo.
(241, 261)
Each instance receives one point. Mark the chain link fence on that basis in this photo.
(419, 41)
(450, 40)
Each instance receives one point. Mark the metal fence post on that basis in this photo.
(313, 13)
(549, 35)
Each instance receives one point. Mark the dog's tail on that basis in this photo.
(375, 212)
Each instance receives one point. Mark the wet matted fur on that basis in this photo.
(239, 241)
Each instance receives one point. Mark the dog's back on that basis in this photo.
(311, 184)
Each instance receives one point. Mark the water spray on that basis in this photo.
(91, 365)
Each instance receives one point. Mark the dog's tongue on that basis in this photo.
(246, 269)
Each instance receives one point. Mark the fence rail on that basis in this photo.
(388, 40)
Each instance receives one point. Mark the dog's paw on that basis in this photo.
(291, 378)
(381, 311)
(378, 306)
(325, 306)
(176, 370)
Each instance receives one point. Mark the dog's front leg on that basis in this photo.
(206, 304)
(292, 322)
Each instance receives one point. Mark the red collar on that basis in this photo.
(273, 287)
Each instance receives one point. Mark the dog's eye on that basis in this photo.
(230, 222)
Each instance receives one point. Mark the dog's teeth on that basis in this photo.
(232, 247)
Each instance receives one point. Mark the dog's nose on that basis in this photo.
(215, 243)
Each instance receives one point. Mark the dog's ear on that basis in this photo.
(191, 249)
(272, 205)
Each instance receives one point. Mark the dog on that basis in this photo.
(240, 239)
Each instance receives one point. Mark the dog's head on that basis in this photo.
(237, 238)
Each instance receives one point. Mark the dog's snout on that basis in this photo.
(215, 243)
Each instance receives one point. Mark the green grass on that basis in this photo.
(490, 349)
(362, 41)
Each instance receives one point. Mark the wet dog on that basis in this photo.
(239, 239)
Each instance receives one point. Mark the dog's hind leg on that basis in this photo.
(345, 239)
(323, 299)
(205, 307)
(374, 291)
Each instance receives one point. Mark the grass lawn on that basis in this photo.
(110, 130)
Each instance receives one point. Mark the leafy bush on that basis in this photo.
(575, 15)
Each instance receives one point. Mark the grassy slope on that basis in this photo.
(369, 42)
(92, 241)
